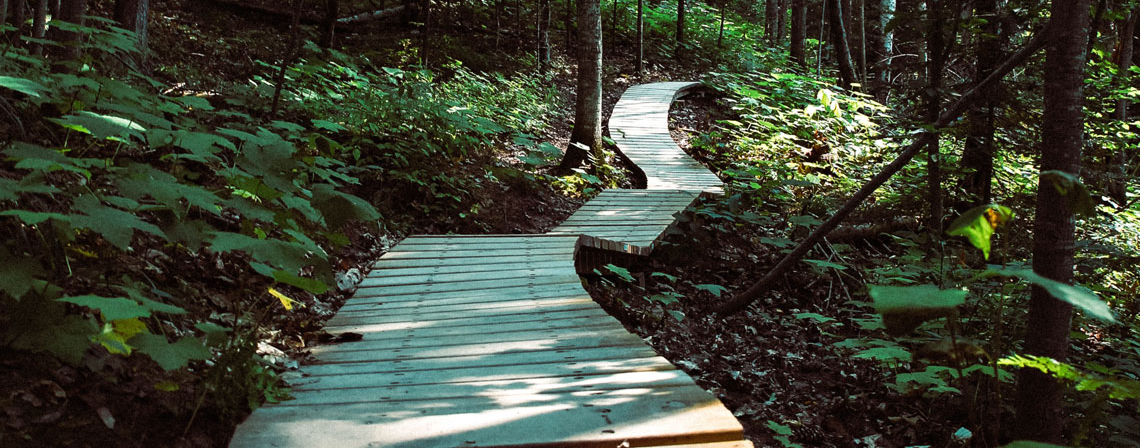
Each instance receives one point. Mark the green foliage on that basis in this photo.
(1118, 388)
(783, 434)
(979, 223)
(904, 308)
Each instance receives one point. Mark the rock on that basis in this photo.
(347, 280)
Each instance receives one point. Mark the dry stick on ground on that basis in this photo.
(742, 300)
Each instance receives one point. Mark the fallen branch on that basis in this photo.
(374, 15)
(742, 300)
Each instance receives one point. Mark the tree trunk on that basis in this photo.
(979, 149)
(741, 300)
(720, 34)
(770, 21)
(1118, 166)
(3, 13)
(781, 20)
(328, 25)
(640, 51)
(863, 42)
(132, 16)
(839, 42)
(1039, 413)
(586, 137)
(820, 45)
(70, 11)
(799, 32)
(1094, 29)
(39, 25)
(568, 25)
(425, 36)
(936, 49)
(18, 17)
(614, 22)
(886, 15)
(680, 23)
(543, 35)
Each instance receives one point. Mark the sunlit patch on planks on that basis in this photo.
(475, 341)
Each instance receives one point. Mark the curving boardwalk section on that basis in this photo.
(491, 340)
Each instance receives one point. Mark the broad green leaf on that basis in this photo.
(338, 208)
(24, 86)
(308, 284)
(814, 316)
(904, 308)
(101, 126)
(328, 125)
(676, 315)
(33, 218)
(715, 290)
(1031, 444)
(115, 225)
(17, 273)
(112, 308)
(978, 225)
(885, 354)
(823, 264)
(1072, 189)
(781, 430)
(281, 254)
(620, 272)
(171, 356)
(1078, 297)
(666, 298)
(664, 276)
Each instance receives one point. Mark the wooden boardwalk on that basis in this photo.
(491, 340)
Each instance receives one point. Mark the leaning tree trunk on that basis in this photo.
(1039, 413)
(799, 32)
(586, 138)
(839, 42)
(980, 148)
(1118, 162)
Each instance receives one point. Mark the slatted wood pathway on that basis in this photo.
(491, 340)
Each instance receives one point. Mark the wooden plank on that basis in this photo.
(558, 253)
(594, 323)
(418, 366)
(567, 305)
(670, 415)
(505, 292)
(393, 271)
(461, 261)
(544, 334)
(503, 389)
(402, 304)
(464, 326)
(476, 239)
(486, 349)
(561, 243)
(498, 373)
(466, 286)
(423, 279)
(474, 304)
(732, 444)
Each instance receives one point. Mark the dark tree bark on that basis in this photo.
(639, 52)
(132, 15)
(19, 14)
(70, 11)
(1039, 413)
(839, 42)
(328, 25)
(936, 50)
(781, 20)
(863, 41)
(39, 25)
(586, 137)
(742, 300)
(543, 35)
(980, 148)
(1118, 166)
(3, 12)
(771, 8)
(568, 25)
(1094, 29)
(680, 22)
(799, 32)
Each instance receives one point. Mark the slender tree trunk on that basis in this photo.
(953, 111)
(586, 137)
(680, 23)
(979, 149)
(886, 15)
(720, 34)
(614, 22)
(1118, 166)
(132, 15)
(640, 51)
(287, 60)
(425, 36)
(328, 25)
(499, 22)
(18, 16)
(1094, 29)
(39, 25)
(839, 42)
(781, 20)
(822, 32)
(568, 25)
(3, 13)
(799, 32)
(771, 8)
(936, 47)
(1039, 413)
(863, 42)
(543, 36)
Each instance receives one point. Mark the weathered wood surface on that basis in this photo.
(491, 340)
